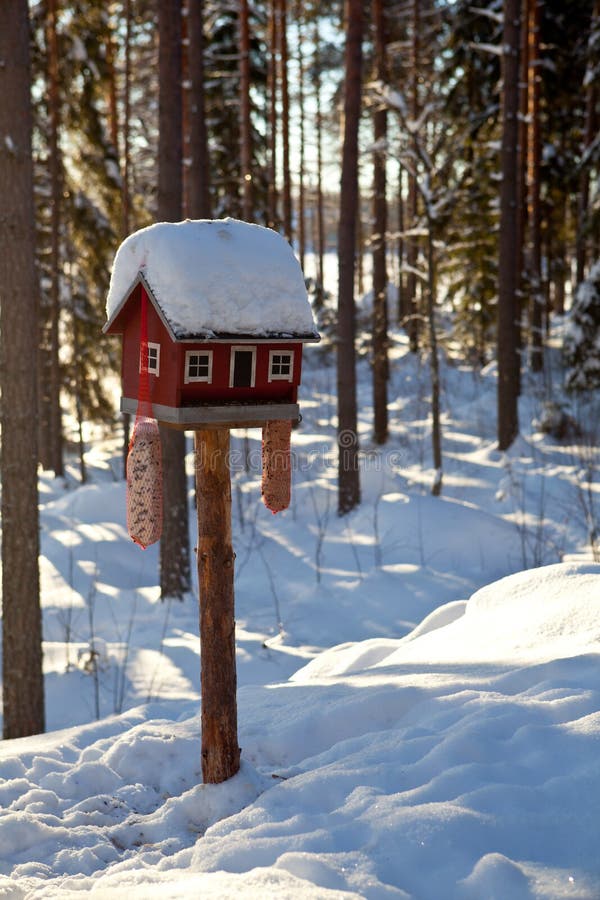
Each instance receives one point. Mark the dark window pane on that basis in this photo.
(198, 365)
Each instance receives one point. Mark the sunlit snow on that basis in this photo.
(419, 682)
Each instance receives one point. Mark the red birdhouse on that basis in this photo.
(226, 316)
(213, 315)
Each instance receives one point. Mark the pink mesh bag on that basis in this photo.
(144, 499)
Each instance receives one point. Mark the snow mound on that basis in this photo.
(417, 773)
(215, 276)
(552, 611)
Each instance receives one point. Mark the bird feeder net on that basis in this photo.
(144, 498)
(276, 465)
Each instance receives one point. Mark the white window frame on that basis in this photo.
(247, 349)
(191, 379)
(152, 370)
(273, 353)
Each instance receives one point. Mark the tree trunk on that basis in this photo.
(412, 247)
(113, 115)
(302, 160)
(285, 120)
(198, 205)
(22, 679)
(170, 112)
(56, 439)
(273, 215)
(319, 139)
(126, 184)
(522, 156)
(126, 189)
(175, 577)
(535, 151)
(220, 750)
(508, 357)
(348, 473)
(245, 132)
(379, 239)
(360, 244)
(591, 93)
(401, 309)
(436, 430)
(557, 252)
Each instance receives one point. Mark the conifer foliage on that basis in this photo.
(582, 336)
(496, 206)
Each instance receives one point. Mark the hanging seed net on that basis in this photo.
(144, 483)
(144, 461)
(276, 465)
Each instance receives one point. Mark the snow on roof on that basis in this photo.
(215, 277)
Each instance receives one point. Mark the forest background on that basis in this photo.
(454, 148)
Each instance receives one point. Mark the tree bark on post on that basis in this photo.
(220, 750)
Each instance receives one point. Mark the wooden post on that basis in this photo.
(220, 751)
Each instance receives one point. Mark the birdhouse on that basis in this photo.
(215, 315)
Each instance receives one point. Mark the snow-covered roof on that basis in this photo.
(215, 277)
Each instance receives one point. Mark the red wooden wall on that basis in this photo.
(169, 389)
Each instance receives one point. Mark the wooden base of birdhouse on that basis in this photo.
(233, 415)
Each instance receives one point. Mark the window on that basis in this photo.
(281, 365)
(198, 366)
(152, 360)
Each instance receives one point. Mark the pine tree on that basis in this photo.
(534, 145)
(379, 237)
(222, 96)
(285, 119)
(54, 440)
(198, 181)
(348, 472)
(245, 121)
(22, 679)
(508, 359)
(590, 87)
(175, 575)
(73, 124)
(581, 346)
(412, 206)
(470, 268)
(570, 42)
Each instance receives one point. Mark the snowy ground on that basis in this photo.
(406, 731)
